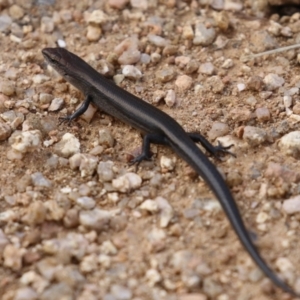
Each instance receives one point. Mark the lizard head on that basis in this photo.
(58, 58)
(65, 62)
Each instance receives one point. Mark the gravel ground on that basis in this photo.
(77, 222)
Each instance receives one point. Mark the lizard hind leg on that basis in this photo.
(213, 150)
(147, 140)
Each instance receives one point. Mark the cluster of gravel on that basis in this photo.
(76, 222)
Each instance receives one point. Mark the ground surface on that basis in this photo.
(79, 234)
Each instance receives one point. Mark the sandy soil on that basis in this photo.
(81, 237)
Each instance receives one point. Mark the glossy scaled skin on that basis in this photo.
(158, 128)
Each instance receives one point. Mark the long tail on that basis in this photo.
(197, 159)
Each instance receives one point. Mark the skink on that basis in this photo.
(159, 128)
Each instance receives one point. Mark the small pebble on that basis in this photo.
(292, 205)
(192, 296)
(228, 63)
(71, 218)
(240, 115)
(273, 81)
(130, 57)
(153, 277)
(170, 50)
(165, 75)
(105, 68)
(118, 4)
(222, 20)
(296, 109)
(187, 32)
(170, 98)
(217, 4)
(16, 12)
(12, 256)
(104, 261)
(216, 84)
(218, 129)
(56, 104)
(254, 136)
(284, 264)
(3, 240)
(221, 41)
(127, 182)
(261, 41)
(191, 67)
(67, 146)
(108, 248)
(145, 58)
(191, 280)
(255, 83)
(207, 68)
(93, 33)
(262, 217)
(167, 164)
(16, 31)
(39, 180)
(289, 144)
(45, 98)
(86, 163)
(121, 292)
(281, 171)
(40, 78)
(131, 72)
(265, 94)
(94, 219)
(54, 211)
(25, 141)
(113, 197)
(14, 155)
(97, 17)
(86, 202)
(166, 211)
(274, 28)
(156, 238)
(263, 114)
(158, 95)
(5, 23)
(57, 291)
(182, 61)
(5, 131)
(66, 15)
(105, 171)
(47, 24)
(211, 288)
(36, 213)
(155, 57)
(105, 138)
(204, 35)
(149, 205)
(139, 4)
(128, 44)
(7, 87)
(8, 216)
(157, 40)
(241, 87)
(286, 31)
(184, 82)
(61, 43)
(14, 118)
(26, 293)
(255, 275)
(89, 113)
(287, 101)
